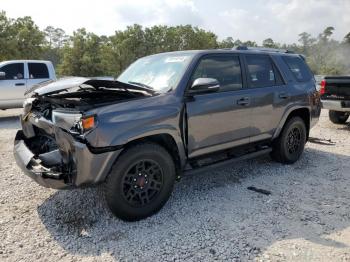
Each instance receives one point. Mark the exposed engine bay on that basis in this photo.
(54, 124)
(65, 105)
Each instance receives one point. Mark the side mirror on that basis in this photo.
(204, 85)
(2, 75)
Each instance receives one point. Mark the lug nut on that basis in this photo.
(134, 179)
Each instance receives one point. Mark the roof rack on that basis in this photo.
(263, 49)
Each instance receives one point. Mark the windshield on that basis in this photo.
(160, 72)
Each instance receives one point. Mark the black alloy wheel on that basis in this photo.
(289, 146)
(142, 182)
(293, 142)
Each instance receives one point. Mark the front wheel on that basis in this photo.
(290, 144)
(140, 182)
(338, 117)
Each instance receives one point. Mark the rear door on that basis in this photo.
(14, 84)
(269, 95)
(37, 72)
(218, 120)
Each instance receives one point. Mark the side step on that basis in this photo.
(227, 162)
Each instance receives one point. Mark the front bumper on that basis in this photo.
(24, 157)
(72, 165)
(336, 105)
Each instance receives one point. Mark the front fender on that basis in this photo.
(146, 131)
(153, 131)
(121, 124)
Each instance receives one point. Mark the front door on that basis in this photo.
(219, 120)
(12, 88)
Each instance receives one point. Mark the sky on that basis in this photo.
(281, 20)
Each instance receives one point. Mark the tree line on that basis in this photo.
(87, 54)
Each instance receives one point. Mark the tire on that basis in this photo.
(289, 146)
(140, 182)
(337, 117)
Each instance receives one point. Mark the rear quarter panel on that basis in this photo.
(302, 95)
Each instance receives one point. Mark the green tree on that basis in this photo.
(228, 42)
(327, 33)
(56, 38)
(20, 38)
(325, 55)
(126, 46)
(29, 39)
(306, 41)
(250, 43)
(82, 56)
(269, 43)
(7, 42)
(347, 38)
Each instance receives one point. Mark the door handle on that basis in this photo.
(244, 101)
(283, 95)
(19, 84)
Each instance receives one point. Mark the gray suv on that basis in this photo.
(165, 116)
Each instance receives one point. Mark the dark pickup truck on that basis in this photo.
(167, 115)
(335, 96)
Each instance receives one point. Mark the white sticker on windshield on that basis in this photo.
(175, 59)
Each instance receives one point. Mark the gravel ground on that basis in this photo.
(209, 216)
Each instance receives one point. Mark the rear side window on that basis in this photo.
(38, 70)
(13, 71)
(261, 71)
(225, 69)
(298, 67)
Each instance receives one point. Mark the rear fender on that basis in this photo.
(283, 121)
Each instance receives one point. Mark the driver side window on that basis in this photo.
(13, 71)
(225, 69)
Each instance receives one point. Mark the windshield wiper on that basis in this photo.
(108, 89)
(142, 85)
(118, 89)
(129, 87)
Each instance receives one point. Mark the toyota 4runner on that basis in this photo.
(166, 115)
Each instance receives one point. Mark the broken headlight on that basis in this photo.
(65, 120)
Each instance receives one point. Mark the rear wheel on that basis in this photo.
(140, 182)
(290, 144)
(338, 117)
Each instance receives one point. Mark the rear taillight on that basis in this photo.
(323, 87)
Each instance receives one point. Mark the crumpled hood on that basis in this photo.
(59, 85)
(52, 87)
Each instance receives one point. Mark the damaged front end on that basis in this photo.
(51, 147)
(61, 161)
(47, 168)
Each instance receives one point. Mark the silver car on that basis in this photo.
(18, 76)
